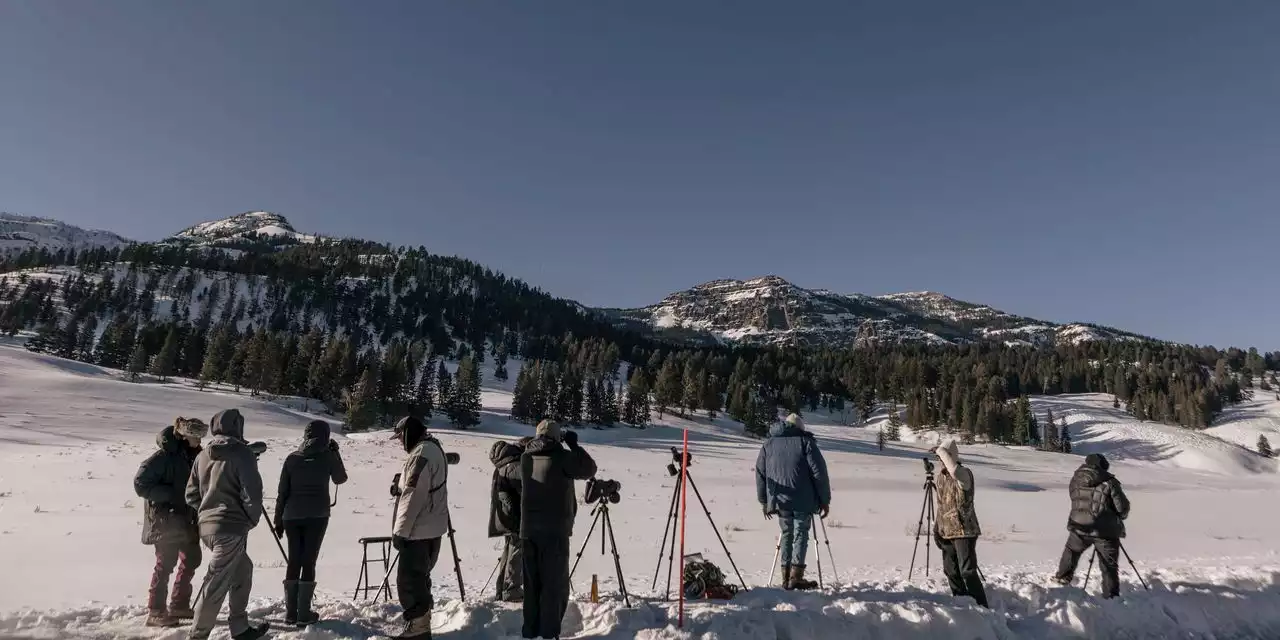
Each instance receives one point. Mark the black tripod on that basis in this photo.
(1089, 572)
(601, 513)
(673, 521)
(927, 516)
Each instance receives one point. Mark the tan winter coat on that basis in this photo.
(423, 513)
(957, 517)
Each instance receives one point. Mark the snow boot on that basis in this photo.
(1064, 581)
(786, 577)
(306, 592)
(179, 612)
(417, 629)
(291, 602)
(253, 632)
(161, 620)
(798, 581)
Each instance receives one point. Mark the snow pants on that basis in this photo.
(186, 556)
(230, 578)
(305, 537)
(546, 585)
(960, 563)
(1108, 557)
(511, 568)
(795, 537)
(413, 577)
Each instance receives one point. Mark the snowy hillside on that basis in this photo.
(19, 233)
(72, 435)
(247, 227)
(771, 310)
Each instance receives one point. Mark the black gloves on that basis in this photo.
(279, 528)
(765, 509)
(333, 445)
(399, 542)
(570, 439)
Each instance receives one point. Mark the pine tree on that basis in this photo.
(568, 402)
(1050, 440)
(880, 439)
(1264, 447)
(301, 364)
(595, 402)
(214, 355)
(162, 367)
(1064, 438)
(894, 431)
(46, 339)
(464, 399)
(84, 342)
(362, 403)
(255, 352)
(500, 361)
(711, 400)
(424, 393)
(636, 410)
(669, 389)
(609, 415)
(522, 395)
(323, 379)
(68, 339)
(444, 387)
(137, 362)
(693, 391)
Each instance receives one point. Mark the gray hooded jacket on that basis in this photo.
(225, 488)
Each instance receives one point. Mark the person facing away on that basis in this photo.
(225, 489)
(550, 464)
(302, 514)
(422, 519)
(792, 483)
(504, 516)
(168, 523)
(956, 530)
(1099, 508)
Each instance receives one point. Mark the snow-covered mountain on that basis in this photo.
(19, 233)
(254, 227)
(771, 310)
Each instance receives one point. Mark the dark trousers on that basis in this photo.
(546, 585)
(186, 556)
(1108, 557)
(413, 576)
(511, 568)
(305, 537)
(960, 563)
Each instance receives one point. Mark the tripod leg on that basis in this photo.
(716, 529)
(506, 548)
(773, 569)
(617, 560)
(386, 582)
(924, 507)
(675, 524)
(457, 563)
(666, 531)
(817, 554)
(1134, 567)
(835, 577)
(585, 542)
(1089, 572)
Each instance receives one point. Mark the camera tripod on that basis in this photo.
(601, 513)
(673, 521)
(777, 554)
(1088, 573)
(927, 515)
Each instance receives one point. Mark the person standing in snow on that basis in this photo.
(302, 514)
(504, 516)
(956, 531)
(168, 523)
(550, 464)
(225, 490)
(792, 483)
(1098, 511)
(422, 519)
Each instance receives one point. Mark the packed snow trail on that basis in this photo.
(72, 436)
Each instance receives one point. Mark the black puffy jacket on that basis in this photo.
(548, 502)
(162, 481)
(504, 498)
(303, 491)
(1098, 504)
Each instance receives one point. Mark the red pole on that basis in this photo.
(684, 512)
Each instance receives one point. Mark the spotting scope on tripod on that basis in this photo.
(678, 463)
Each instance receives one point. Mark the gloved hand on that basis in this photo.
(823, 511)
(399, 542)
(333, 445)
(571, 439)
(279, 528)
(765, 509)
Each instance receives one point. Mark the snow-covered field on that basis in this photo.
(1202, 530)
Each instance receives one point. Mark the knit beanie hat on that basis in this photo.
(796, 421)
(548, 429)
(190, 427)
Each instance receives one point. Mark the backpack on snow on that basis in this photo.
(705, 581)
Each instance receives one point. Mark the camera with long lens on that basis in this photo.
(452, 458)
(928, 466)
(673, 468)
(600, 490)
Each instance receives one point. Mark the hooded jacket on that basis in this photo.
(1099, 506)
(957, 517)
(504, 497)
(225, 487)
(423, 510)
(549, 502)
(791, 474)
(162, 481)
(303, 490)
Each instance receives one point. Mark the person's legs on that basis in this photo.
(513, 569)
(224, 554)
(295, 533)
(951, 565)
(189, 558)
(786, 529)
(800, 538)
(532, 589)
(1109, 558)
(166, 557)
(966, 551)
(1075, 546)
(314, 530)
(555, 585)
(241, 585)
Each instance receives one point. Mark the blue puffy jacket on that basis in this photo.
(791, 475)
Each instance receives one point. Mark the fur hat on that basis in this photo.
(796, 421)
(190, 427)
(548, 429)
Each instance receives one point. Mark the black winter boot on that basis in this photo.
(798, 581)
(291, 602)
(253, 632)
(786, 577)
(306, 591)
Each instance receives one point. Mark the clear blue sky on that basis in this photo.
(1113, 162)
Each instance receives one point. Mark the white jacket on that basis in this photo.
(423, 512)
